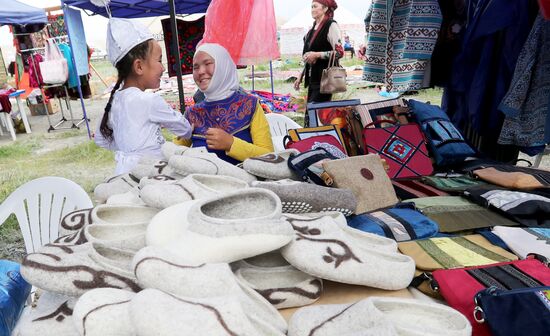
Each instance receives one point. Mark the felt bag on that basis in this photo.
(459, 286)
(522, 311)
(446, 143)
(333, 131)
(333, 78)
(401, 223)
(328, 142)
(402, 146)
(54, 68)
(366, 176)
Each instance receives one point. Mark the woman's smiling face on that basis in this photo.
(203, 69)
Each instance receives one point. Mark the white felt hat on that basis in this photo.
(122, 36)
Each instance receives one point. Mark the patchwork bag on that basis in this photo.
(327, 142)
(460, 286)
(366, 176)
(447, 145)
(402, 146)
(415, 187)
(523, 311)
(401, 223)
(453, 184)
(308, 166)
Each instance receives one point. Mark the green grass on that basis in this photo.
(18, 150)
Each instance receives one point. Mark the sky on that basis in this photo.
(96, 26)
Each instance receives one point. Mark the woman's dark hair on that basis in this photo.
(124, 69)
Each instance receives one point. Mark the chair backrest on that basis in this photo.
(40, 204)
(278, 126)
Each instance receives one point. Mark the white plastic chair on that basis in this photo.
(40, 204)
(279, 126)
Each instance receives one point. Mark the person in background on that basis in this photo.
(228, 122)
(348, 46)
(320, 43)
(131, 124)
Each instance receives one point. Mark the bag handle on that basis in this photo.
(378, 122)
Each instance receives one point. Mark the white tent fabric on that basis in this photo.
(292, 33)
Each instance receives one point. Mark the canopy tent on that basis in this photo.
(13, 12)
(292, 32)
(147, 8)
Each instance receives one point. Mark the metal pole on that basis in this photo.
(271, 73)
(176, 50)
(64, 6)
(252, 78)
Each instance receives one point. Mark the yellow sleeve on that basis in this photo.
(261, 139)
(182, 141)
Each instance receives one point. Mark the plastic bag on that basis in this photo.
(14, 291)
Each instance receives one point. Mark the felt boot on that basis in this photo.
(273, 166)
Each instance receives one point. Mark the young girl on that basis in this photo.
(131, 124)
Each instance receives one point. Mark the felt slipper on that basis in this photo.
(170, 149)
(224, 228)
(207, 163)
(302, 197)
(326, 250)
(73, 270)
(157, 268)
(52, 316)
(115, 185)
(192, 187)
(104, 312)
(282, 286)
(74, 221)
(158, 167)
(122, 214)
(130, 236)
(128, 198)
(272, 166)
(158, 313)
(386, 315)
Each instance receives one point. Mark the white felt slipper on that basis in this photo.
(74, 221)
(169, 149)
(223, 228)
(302, 197)
(157, 168)
(207, 163)
(192, 187)
(122, 214)
(273, 166)
(52, 316)
(128, 198)
(104, 312)
(130, 236)
(389, 316)
(323, 249)
(115, 185)
(158, 313)
(157, 268)
(73, 270)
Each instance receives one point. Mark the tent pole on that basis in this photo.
(271, 75)
(176, 49)
(77, 76)
(253, 78)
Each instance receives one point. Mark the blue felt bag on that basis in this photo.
(446, 143)
(523, 311)
(14, 291)
(401, 223)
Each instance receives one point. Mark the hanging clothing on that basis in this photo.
(189, 34)
(136, 118)
(56, 25)
(35, 76)
(73, 77)
(527, 103)
(482, 71)
(5, 102)
(401, 36)
(260, 44)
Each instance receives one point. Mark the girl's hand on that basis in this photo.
(218, 139)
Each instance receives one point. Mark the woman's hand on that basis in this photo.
(311, 57)
(297, 83)
(218, 139)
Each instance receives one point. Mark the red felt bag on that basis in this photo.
(402, 146)
(328, 142)
(459, 286)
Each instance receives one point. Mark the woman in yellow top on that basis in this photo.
(229, 123)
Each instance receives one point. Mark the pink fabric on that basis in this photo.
(227, 22)
(34, 70)
(260, 44)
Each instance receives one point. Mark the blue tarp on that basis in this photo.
(142, 8)
(13, 12)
